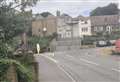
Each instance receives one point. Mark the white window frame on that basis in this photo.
(108, 28)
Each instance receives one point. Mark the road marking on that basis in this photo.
(90, 62)
(70, 56)
(73, 80)
(55, 61)
(115, 70)
(87, 61)
(50, 54)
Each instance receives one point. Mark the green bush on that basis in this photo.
(89, 40)
(23, 73)
(43, 42)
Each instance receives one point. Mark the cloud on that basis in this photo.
(119, 4)
(71, 7)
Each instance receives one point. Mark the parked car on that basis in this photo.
(112, 42)
(117, 47)
(101, 43)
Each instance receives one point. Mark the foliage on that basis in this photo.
(43, 41)
(22, 72)
(21, 4)
(101, 36)
(64, 14)
(26, 59)
(12, 23)
(3, 71)
(88, 40)
(110, 9)
(45, 14)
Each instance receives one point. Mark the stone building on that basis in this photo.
(103, 24)
(98, 24)
(67, 27)
(63, 29)
(44, 26)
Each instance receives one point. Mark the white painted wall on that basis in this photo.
(82, 25)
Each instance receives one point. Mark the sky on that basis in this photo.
(71, 7)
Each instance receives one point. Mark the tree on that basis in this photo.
(110, 9)
(20, 69)
(22, 4)
(12, 24)
(45, 14)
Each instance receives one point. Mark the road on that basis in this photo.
(85, 65)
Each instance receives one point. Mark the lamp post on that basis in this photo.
(44, 31)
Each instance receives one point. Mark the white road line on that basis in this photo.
(51, 59)
(115, 70)
(73, 80)
(90, 62)
(49, 54)
(70, 56)
(55, 61)
(87, 61)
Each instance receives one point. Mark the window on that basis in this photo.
(99, 28)
(85, 22)
(84, 29)
(108, 28)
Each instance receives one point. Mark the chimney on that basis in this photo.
(58, 13)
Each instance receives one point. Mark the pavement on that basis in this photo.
(49, 71)
(85, 65)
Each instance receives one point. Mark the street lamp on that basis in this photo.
(44, 31)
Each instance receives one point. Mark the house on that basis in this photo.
(44, 26)
(84, 26)
(104, 24)
(64, 30)
(67, 27)
(98, 24)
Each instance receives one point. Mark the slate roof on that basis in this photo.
(84, 18)
(104, 20)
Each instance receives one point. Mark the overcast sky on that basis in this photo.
(71, 7)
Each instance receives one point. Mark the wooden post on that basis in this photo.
(36, 71)
(11, 74)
